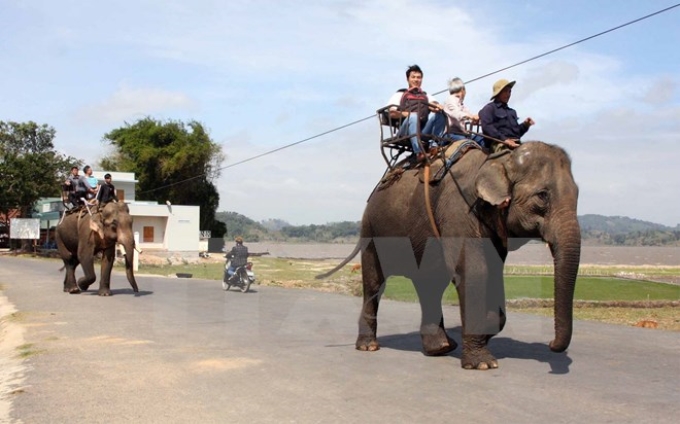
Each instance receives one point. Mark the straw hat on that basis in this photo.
(499, 85)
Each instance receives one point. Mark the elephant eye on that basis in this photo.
(542, 201)
(543, 196)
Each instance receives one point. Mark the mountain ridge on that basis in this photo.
(595, 229)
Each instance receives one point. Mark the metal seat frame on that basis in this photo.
(393, 145)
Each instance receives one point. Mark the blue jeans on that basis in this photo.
(474, 137)
(435, 125)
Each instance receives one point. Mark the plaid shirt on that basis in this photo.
(238, 255)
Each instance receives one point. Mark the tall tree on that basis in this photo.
(173, 161)
(30, 167)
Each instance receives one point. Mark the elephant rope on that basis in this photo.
(428, 204)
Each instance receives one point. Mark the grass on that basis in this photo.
(597, 270)
(593, 283)
(619, 300)
(667, 318)
(541, 287)
(27, 350)
(601, 295)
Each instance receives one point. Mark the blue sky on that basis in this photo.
(263, 74)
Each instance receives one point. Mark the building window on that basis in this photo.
(148, 235)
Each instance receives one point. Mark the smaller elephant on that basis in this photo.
(84, 233)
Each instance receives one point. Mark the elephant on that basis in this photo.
(460, 232)
(84, 233)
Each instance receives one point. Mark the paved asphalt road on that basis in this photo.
(184, 351)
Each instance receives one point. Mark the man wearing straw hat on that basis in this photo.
(499, 121)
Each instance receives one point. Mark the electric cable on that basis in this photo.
(278, 149)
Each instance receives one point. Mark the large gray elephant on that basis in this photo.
(483, 207)
(80, 236)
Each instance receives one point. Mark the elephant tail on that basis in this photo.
(356, 250)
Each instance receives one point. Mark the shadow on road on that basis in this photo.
(122, 291)
(501, 347)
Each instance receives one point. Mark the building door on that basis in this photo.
(148, 235)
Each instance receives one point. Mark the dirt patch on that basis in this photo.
(11, 361)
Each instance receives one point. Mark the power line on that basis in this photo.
(570, 44)
(278, 149)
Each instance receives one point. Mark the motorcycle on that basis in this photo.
(243, 277)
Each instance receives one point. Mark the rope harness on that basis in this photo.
(453, 157)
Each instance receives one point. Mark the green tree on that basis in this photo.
(173, 161)
(30, 168)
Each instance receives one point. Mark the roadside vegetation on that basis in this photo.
(619, 295)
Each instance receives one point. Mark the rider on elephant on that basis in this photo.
(499, 121)
(412, 109)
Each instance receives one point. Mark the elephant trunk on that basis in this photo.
(565, 246)
(129, 246)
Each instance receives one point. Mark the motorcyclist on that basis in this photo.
(238, 256)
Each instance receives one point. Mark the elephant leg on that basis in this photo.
(90, 277)
(70, 276)
(482, 308)
(476, 333)
(432, 332)
(105, 277)
(374, 286)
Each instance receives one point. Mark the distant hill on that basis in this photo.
(279, 230)
(274, 224)
(624, 231)
(618, 224)
(595, 230)
(241, 225)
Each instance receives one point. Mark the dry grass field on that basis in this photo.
(299, 273)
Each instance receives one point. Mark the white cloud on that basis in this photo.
(128, 103)
(661, 91)
(263, 74)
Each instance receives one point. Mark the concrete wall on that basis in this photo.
(176, 228)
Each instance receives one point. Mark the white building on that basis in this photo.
(161, 227)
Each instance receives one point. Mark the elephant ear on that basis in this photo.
(96, 225)
(493, 184)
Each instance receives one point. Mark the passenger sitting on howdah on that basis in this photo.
(414, 123)
(79, 190)
(408, 113)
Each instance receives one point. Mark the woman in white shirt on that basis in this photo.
(458, 114)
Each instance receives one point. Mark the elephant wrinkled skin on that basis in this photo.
(483, 207)
(81, 236)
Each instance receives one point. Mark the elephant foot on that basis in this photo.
(437, 345)
(367, 344)
(478, 359)
(71, 290)
(83, 286)
(105, 292)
